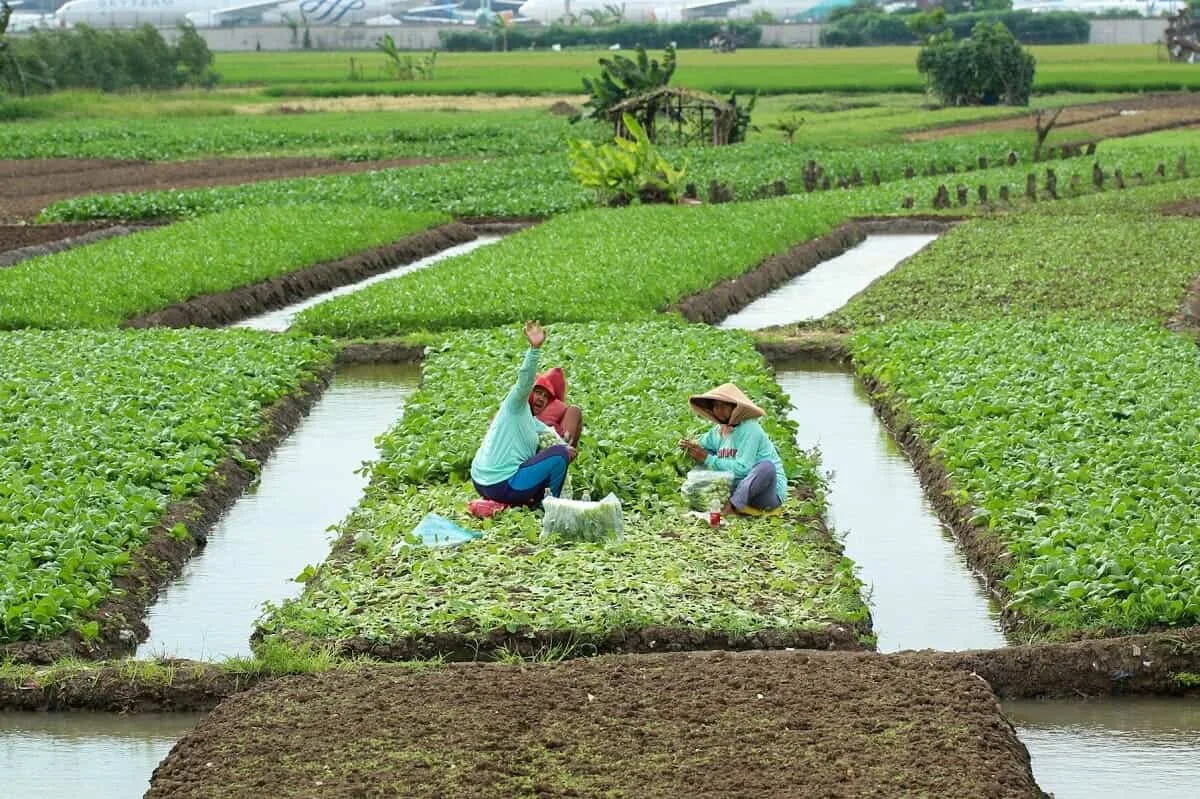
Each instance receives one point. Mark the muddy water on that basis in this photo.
(828, 286)
(1114, 748)
(281, 319)
(272, 532)
(922, 594)
(76, 755)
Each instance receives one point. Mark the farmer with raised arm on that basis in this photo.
(508, 468)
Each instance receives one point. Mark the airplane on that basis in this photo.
(547, 11)
(215, 13)
(1146, 8)
(458, 12)
(21, 21)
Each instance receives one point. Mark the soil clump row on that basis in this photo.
(1136, 665)
(705, 725)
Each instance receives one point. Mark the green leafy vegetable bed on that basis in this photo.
(604, 264)
(1076, 444)
(99, 432)
(779, 578)
(1123, 267)
(349, 135)
(541, 184)
(106, 283)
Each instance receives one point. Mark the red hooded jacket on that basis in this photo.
(555, 383)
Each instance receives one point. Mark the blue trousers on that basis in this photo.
(756, 489)
(547, 469)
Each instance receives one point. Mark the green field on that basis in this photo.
(769, 71)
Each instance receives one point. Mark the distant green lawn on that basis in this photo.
(770, 71)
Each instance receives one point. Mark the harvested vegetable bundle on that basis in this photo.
(703, 487)
(577, 520)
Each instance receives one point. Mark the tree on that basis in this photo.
(853, 10)
(501, 24)
(987, 68)
(610, 14)
(194, 58)
(8, 60)
(622, 78)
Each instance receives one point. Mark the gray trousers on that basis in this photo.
(756, 489)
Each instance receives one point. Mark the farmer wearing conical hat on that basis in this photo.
(737, 443)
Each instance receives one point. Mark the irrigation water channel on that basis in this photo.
(922, 593)
(208, 612)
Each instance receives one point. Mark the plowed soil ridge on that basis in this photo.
(1136, 665)
(216, 310)
(1128, 116)
(28, 186)
(21, 242)
(696, 726)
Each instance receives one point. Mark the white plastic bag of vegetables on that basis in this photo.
(578, 520)
(702, 487)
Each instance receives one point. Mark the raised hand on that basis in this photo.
(534, 333)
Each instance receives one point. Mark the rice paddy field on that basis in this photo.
(1036, 363)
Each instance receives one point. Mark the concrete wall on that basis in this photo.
(801, 34)
(1127, 31)
(423, 37)
(355, 37)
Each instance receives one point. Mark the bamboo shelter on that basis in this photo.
(696, 117)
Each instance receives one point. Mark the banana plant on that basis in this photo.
(626, 168)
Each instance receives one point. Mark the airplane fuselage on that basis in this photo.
(131, 13)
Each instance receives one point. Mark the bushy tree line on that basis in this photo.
(683, 34)
(870, 26)
(109, 60)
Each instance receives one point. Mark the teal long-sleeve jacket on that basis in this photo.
(741, 449)
(512, 437)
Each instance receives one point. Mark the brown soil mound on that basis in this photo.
(1182, 208)
(1104, 120)
(215, 310)
(696, 726)
(18, 242)
(563, 109)
(28, 186)
(1133, 665)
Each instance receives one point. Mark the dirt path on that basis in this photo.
(1105, 120)
(28, 186)
(803, 724)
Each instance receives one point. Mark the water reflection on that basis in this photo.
(922, 594)
(270, 534)
(1147, 748)
(829, 285)
(95, 755)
